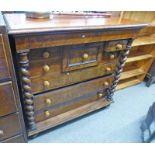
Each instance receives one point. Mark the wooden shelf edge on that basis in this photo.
(131, 73)
(67, 116)
(144, 40)
(128, 84)
(139, 58)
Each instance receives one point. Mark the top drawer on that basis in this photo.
(4, 72)
(81, 56)
(116, 45)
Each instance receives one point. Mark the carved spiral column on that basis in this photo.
(26, 88)
(119, 69)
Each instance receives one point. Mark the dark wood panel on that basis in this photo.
(4, 69)
(9, 126)
(7, 99)
(81, 56)
(59, 101)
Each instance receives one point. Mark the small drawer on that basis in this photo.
(116, 45)
(4, 69)
(58, 101)
(8, 102)
(44, 54)
(81, 56)
(9, 126)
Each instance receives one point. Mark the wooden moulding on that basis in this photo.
(70, 115)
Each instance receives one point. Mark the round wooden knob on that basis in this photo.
(108, 69)
(106, 83)
(85, 56)
(119, 46)
(46, 83)
(46, 68)
(46, 55)
(112, 56)
(100, 95)
(67, 73)
(1, 132)
(47, 113)
(83, 36)
(48, 101)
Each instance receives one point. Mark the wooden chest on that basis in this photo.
(11, 119)
(67, 66)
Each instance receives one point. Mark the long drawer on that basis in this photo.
(7, 99)
(59, 101)
(9, 126)
(43, 83)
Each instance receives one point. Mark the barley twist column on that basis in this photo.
(119, 69)
(26, 88)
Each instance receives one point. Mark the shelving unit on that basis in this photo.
(140, 58)
(132, 73)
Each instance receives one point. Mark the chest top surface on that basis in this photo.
(18, 23)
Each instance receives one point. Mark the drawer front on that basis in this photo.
(9, 126)
(59, 101)
(115, 45)
(4, 71)
(70, 38)
(16, 139)
(81, 56)
(58, 79)
(7, 102)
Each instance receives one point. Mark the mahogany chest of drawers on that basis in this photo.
(12, 128)
(67, 66)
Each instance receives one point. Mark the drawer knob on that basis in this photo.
(46, 83)
(1, 132)
(83, 36)
(46, 68)
(112, 56)
(47, 113)
(48, 101)
(100, 95)
(119, 46)
(46, 55)
(85, 56)
(67, 73)
(106, 83)
(108, 69)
